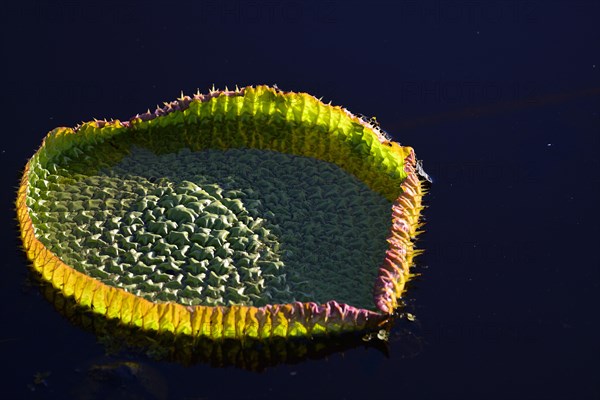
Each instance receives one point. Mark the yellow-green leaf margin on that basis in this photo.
(253, 117)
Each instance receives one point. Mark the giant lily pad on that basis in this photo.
(252, 213)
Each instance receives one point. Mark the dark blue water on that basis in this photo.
(500, 99)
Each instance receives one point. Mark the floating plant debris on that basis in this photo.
(253, 213)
